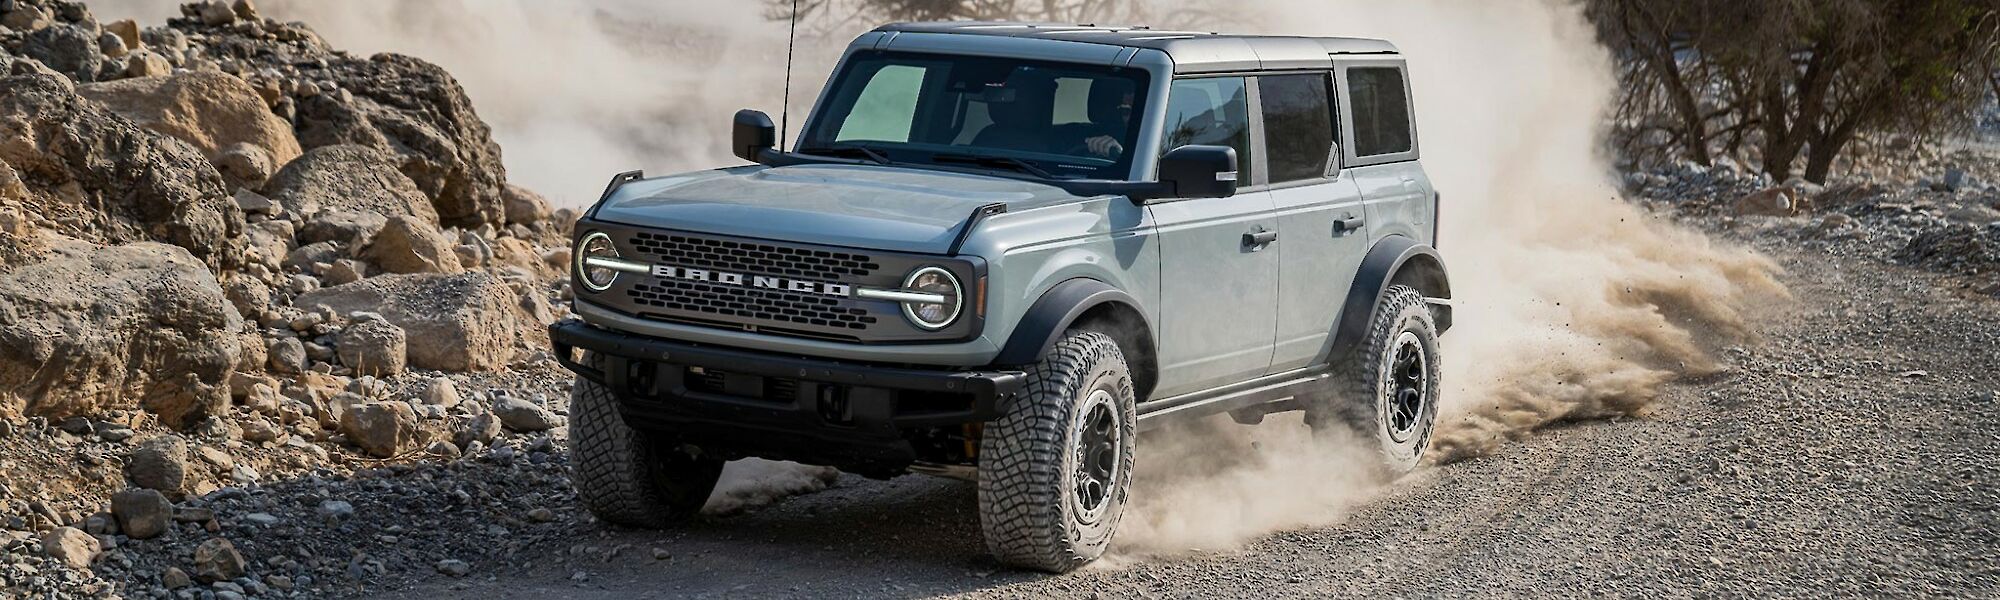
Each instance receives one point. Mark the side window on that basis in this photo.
(1381, 110)
(1298, 125)
(886, 107)
(1213, 111)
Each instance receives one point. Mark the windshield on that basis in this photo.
(1048, 119)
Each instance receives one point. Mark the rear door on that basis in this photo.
(1218, 293)
(1381, 149)
(1323, 228)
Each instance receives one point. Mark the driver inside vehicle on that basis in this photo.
(1110, 112)
(1023, 108)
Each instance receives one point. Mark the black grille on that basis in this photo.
(749, 303)
(750, 257)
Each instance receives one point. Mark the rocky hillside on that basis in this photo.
(235, 260)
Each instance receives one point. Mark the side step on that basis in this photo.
(1247, 401)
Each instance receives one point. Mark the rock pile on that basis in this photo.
(233, 256)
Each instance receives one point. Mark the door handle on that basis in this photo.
(1348, 224)
(1258, 239)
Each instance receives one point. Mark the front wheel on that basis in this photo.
(1389, 395)
(627, 476)
(1055, 471)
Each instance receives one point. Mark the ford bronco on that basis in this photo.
(1000, 250)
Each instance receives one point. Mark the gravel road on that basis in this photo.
(1851, 452)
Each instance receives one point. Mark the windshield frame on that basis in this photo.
(836, 104)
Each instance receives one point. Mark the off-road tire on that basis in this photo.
(1031, 509)
(1363, 395)
(625, 476)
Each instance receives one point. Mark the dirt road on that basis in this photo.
(1851, 452)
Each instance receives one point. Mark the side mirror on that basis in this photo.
(1199, 171)
(752, 134)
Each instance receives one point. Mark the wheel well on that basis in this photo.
(1424, 273)
(1127, 327)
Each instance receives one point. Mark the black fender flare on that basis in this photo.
(1052, 314)
(1388, 263)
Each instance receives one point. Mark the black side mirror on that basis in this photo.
(752, 134)
(1200, 171)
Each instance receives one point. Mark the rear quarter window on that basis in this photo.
(1381, 110)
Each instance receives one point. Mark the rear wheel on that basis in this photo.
(1055, 471)
(626, 476)
(1388, 395)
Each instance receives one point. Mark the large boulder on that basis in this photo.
(462, 322)
(350, 179)
(96, 176)
(69, 49)
(93, 328)
(406, 245)
(210, 110)
(415, 109)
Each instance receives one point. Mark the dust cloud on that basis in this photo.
(1570, 303)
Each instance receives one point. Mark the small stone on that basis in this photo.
(541, 515)
(217, 13)
(217, 560)
(334, 511)
(174, 578)
(524, 416)
(145, 63)
(159, 463)
(218, 458)
(443, 449)
(441, 392)
(287, 355)
(382, 429)
(71, 546)
(454, 567)
(261, 519)
(373, 347)
(661, 554)
(142, 513)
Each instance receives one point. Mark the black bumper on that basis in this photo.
(746, 403)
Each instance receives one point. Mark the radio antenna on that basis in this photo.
(785, 114)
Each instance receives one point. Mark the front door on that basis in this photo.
(1218, 285)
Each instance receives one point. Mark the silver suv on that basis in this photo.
(999, 250)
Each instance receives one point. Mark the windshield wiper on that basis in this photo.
(838, 151)
(993, 161)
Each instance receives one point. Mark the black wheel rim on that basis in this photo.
(1409, 388)
(1099, 438)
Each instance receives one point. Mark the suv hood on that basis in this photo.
(875, 207)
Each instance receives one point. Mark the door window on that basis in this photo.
(1211, 111)
(1298, 125)
(1381, 110)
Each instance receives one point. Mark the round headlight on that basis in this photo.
(595, 277)
(933, 315)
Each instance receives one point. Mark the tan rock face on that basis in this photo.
(95, 328)
(95, 176)
(209, 110)
(348, 178)
(463, 322)
(418, 111)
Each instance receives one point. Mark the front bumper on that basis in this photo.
(739, 403)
